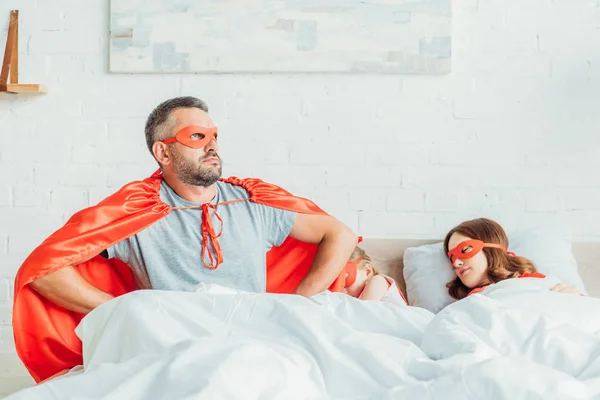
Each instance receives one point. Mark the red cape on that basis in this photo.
(45, 333)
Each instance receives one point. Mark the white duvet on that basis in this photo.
(516, 340)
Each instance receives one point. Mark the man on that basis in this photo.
(172, 231)
(174, 253)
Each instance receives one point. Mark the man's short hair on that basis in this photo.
(160, 123)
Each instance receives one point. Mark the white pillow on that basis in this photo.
(550, 250)
(427, 269)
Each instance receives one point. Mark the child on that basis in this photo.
(369, 284)
(477, 250)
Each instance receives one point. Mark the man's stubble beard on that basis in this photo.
(190, 174)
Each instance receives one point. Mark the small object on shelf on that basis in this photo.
(11, 62)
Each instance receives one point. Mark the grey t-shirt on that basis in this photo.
(167, 254)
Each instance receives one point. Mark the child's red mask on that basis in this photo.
(195, 137)
(470, 248)
(351, 270)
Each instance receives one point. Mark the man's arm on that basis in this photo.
(336, 243)
(67, 288)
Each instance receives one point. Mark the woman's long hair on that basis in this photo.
(501, 266)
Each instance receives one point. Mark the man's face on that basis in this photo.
(196, 167)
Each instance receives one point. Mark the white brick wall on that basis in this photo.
(511, 134)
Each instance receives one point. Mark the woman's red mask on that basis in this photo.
(470, 248)
(195, 137)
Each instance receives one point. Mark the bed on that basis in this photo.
(388, 255)
(336, 353)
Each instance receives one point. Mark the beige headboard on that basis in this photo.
(387, 255)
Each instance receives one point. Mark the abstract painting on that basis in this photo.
(270, 36)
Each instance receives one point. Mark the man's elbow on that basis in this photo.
(343, 234)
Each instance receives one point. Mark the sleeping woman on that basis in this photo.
(477, 250)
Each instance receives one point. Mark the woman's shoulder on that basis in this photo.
(532, 275)
(549, 281)
(546, 281)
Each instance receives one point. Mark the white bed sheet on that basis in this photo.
(516, 340)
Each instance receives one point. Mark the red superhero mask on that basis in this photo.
(470, 248)
(351, 269)
(195, 137)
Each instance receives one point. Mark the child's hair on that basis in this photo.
(501, 266)
(357, 253)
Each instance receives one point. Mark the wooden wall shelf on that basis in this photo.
(25, 88)
(11, 62)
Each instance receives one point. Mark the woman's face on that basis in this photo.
(471, 271)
